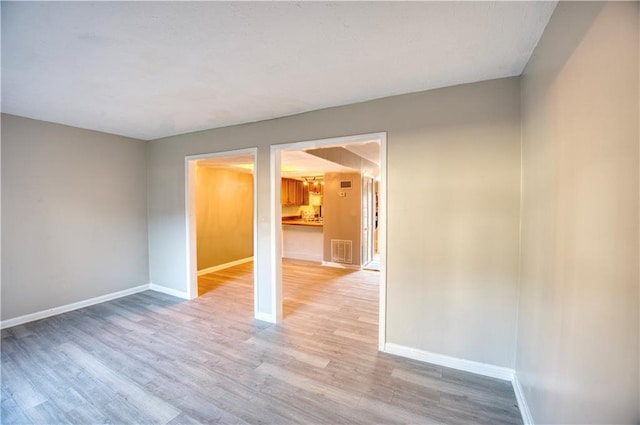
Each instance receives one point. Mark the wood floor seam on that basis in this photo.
(152, 358)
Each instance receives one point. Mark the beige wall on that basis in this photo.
(453, 209)
(343, 214)
(74, 215)
(224, 216)
(577, 352)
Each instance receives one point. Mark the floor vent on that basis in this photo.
(341, 251)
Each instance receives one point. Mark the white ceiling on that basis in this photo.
(368, 150)
(297, 164)
(241, 163)
(294, 164)
(154, 69)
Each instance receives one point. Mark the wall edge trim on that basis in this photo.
(341, 266)
(265, 317)
(168, 291)
(303, 257)
(43, 314)
(225, 266)
(479, 368)
(527, 419)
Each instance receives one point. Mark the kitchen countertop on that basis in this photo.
(300, 222)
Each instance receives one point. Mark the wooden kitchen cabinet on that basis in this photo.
(304, 193)
(285, 192)
(294, 192)
(318, 189)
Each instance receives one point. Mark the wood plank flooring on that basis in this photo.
(154, 359)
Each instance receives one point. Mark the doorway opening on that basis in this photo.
(370, 213)
(221, 219)
(348, 242)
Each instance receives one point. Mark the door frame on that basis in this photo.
(368, 220)
(276, 223)
(190, 162)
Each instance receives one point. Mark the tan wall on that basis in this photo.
(577, 352)
(453, 209)
(343, 215)
(224, 216)
(74, 215)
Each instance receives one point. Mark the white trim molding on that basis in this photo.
(276, 220)
(485, 369)
(190, 162)
(341, 266)
(270, 318)
(168, 291)
(302, 256)
(527, 419)
(70, 307)
(224, 266)
(20, 320)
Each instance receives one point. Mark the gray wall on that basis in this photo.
(577, 351)
(74, 215)
(453, 185)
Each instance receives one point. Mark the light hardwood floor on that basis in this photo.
(152, 358)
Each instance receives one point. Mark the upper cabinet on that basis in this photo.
(316, 188)
(294, 192)
(305, 194)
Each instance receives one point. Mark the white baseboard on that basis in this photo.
(168, 291)
(341, 266)
(70, 307)
(302, 256)
(485, 369)
(527, 419)
(265, 317)
(452, 362)
(224, 266)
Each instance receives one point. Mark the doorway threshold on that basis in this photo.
(374, 264)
